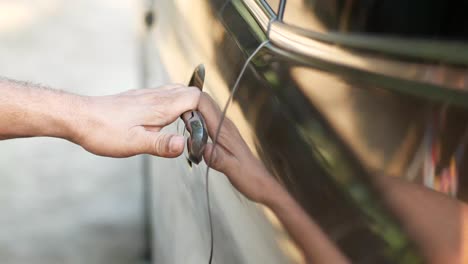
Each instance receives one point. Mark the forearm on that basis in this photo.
(28, 110)
(436, 222)
(317, 247)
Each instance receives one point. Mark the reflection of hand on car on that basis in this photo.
(421, 211)
(231, 155)
(247, 174)
(436, 222)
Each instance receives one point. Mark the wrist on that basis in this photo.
(272, 191)
(76, 118)
(276, 197)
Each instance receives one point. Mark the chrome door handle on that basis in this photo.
(195, 123)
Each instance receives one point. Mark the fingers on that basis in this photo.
(167, 145)
(229, 136)
(186, 99)
(211, 113)
(172, 103)
(218, 158)
(160, 107)
(159, 144)
(175, 98)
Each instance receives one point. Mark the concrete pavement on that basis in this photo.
(60, 204)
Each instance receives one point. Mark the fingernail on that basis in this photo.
(176, 144)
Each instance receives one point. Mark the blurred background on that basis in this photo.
(60, 204)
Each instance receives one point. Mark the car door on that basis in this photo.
(290, 134)
(325, 112)
(187, 33)
(333, 114)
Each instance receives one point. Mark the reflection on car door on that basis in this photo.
(190, 32)
(294, 139)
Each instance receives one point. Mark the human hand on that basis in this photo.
(130, 123)
(232, 156)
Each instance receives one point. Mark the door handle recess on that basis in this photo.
(195, 123)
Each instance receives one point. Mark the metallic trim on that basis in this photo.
(287, 38)
(281, 8)
(260, 14)
(370, 57)
(450, 52)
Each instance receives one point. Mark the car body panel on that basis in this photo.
(242, 233)
(326, 112)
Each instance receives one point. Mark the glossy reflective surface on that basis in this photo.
(356, 133)
(298, 145)
(242, 232)
(434, 19)
(195, 123)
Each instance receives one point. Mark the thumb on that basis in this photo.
(163, 145)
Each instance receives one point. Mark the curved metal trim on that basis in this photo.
(452, 52)
(260, 13)
(286, 38)
(369, 52)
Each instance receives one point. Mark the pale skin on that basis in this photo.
(120, 125)
(130, 123)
